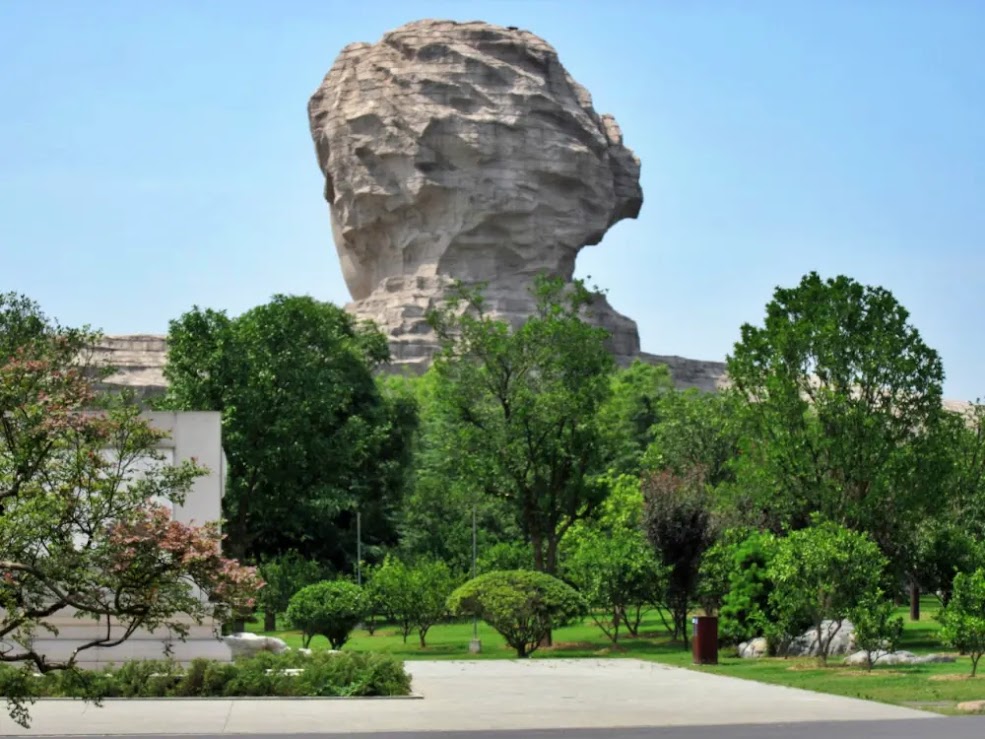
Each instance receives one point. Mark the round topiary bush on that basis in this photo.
(523, 606)
(331, 608)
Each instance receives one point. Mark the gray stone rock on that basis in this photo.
(245, 644)
(465, 151)
(842, 635)
(901, 657)
(754, 648)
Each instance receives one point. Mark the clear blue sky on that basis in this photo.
(155, 155)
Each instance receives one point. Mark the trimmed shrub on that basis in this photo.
(266, 674)
(523, 606)
(332, 609)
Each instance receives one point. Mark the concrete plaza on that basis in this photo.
(480, 695)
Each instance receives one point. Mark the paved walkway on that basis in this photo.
(492, 694)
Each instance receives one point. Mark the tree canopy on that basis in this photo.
(843, 398)
(310, 435)
(521, 406)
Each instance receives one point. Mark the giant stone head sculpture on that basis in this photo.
(464, 151)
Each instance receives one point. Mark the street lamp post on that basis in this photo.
(475, 646)
(359, 549)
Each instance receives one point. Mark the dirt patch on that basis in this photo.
(867, 673)
(565, 645)
(951, 678)
(804, 668)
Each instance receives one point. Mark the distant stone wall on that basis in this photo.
(138, 361)
(139, 364)
(691, 373)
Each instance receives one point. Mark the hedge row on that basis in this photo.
(289, 674)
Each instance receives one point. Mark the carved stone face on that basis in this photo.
(464, 151)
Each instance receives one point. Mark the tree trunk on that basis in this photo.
(538, 551)
(422, 633)
(914, 601)
(551, 559)
(269, 621)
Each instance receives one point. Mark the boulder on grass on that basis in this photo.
(245, 644)
(901, 657)
(842, 635)
(754, 648)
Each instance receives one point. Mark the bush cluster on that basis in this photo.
(322, 674)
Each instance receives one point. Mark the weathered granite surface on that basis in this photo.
(465, 151)
(139, 362)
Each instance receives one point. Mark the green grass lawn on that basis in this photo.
(933, 687)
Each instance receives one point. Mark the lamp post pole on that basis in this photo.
(475, 646)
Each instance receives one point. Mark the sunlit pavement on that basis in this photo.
(498, 695)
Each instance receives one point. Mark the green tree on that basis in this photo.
(435, 520)
(877, 631)
(309, 435)
(283, 576)
(943, 549)
(632, 410)
(967, 481)
(433, 583)
(83, 520)
(677, 520)
(821, 574)
(523, 406)
(523, 606)
(745, 612)
(391, 589)
(618, 576)
(331, 609)
(843, 399)
(506, 555)
(696, 429)
(963, 619)
(413, 596)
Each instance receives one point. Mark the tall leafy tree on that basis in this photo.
(435, 520)
(310, 436)
(843, 400)
(523, 404)
(678, 522)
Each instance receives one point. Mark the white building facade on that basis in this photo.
(191, 435)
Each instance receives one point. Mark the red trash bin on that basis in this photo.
(704, 640)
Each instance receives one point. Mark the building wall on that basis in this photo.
(192, 435)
